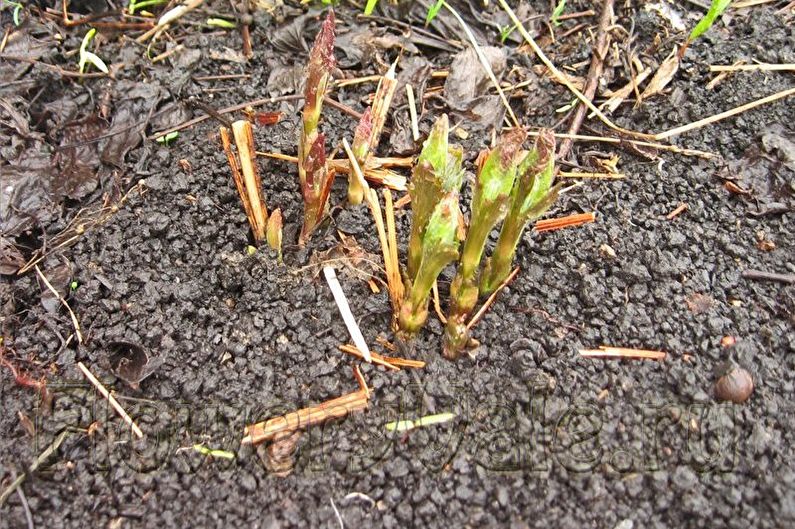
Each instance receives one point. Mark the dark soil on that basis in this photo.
(542, 436)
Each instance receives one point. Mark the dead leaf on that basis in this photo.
(664, 74)
(699, 303)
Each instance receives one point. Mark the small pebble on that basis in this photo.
(735, 386)
(607, 251)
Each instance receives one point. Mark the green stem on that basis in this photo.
(499, 266)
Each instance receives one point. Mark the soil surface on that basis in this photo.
(542, 437)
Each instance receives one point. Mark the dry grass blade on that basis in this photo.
(723, 115)
(376, 358)
(49, 286)
(304, 418)
(762, 67)
(395, 281)
(564, 222)
(618, 96)
(622, 352)
(392, 268)
(586, 174)
(354, 164)
(437, 306)
(638, 143)
(110, 398)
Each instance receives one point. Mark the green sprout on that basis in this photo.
(531, 196)
(489, 205)
(221, 23)
(557, 12)
(134, 6)
(370, 7)
(17, 10)
(428, 420)
(167, 139)
(506, 32)
(433, 11)
(213, 452)
(313, 171)
(73, 286)
(88, 57)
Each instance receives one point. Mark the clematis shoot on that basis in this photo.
(368, 131)
(437, 173)
(493, 187)
(439, 248)
(532, 195)
(313, 171)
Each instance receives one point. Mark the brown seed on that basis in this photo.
(735, 386)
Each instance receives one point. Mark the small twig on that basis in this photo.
(169, 17)
(622, 352)
(357, 374)
(342, 107)
(64, 303)
(564, 222)
(750, 3)
(578, 14)
(491, 299)
(598, 52)
(390, 362)
(113, 402)
(679, 210)
(168, 53)
(26, 507)
(759, 275)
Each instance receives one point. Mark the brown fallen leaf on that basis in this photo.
(698, 303)
(664, 74)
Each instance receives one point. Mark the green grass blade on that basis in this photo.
(370, 7)
(716, 9)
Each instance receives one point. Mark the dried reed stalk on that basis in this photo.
(246, 176)
(306, 417)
